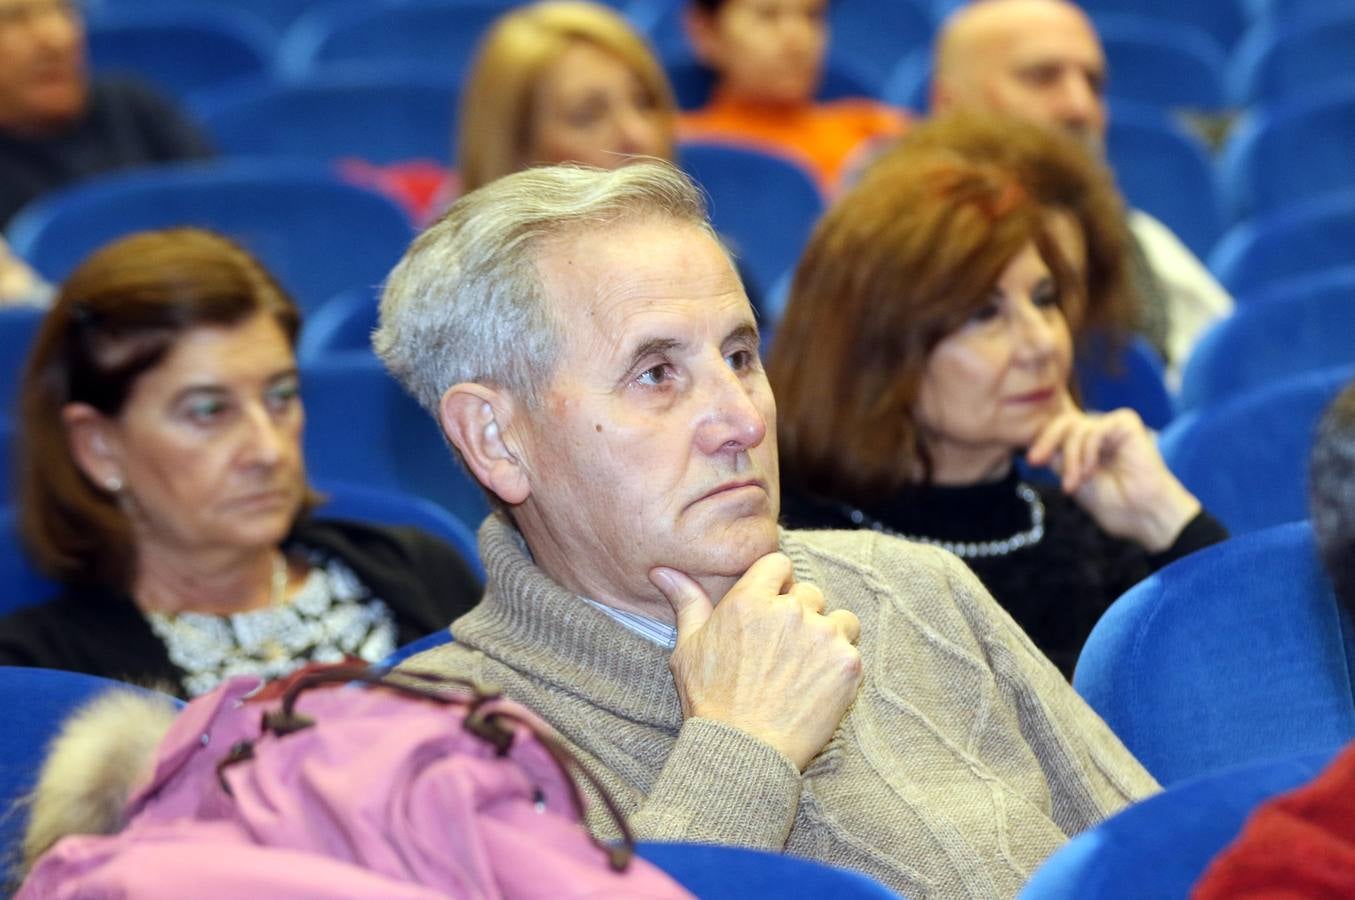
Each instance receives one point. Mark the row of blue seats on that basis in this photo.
(876, 47)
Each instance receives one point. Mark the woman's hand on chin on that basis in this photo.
(1110, 464)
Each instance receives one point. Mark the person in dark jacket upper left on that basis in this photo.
(162, 484)
(59, 126)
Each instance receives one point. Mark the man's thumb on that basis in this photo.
(691, 606)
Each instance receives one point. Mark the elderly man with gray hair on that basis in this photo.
(588, 349)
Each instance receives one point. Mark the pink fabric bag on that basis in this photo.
(351, 792)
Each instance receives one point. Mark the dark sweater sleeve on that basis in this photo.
(1200, 532)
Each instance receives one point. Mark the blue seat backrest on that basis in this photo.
(764, 206)
(1246, 459)
(1160, 63)
(18, 327)
(1234, 654)
(1290, 151)
(1161, 846)
(1288, 55)
(1305, 239)
(388, 115)
(182, 51)
(735, 873)
(1309, 326)
(1130, 376)
(1167, 172)
(362, 427)
(315, 233)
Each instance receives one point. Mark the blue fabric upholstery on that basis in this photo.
(342, 325)
(1247, 458)
(1288, 56)
(1221, 20)
(1131, 377)
(1305, 239)
(763, 206)
(18, 326)
(734, 873)
(184, 50)
(1164, 64)
(1161, 846)
(1309, 326)
(380, 116)
(362, 427)
(1237, 653)
(275, 15)
(36, 702)
(366, 504)
(1166, 172)
(315, 233)
(436, 32)
(1290, 151)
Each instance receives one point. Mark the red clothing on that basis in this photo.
(1298, 845)
(825, 138)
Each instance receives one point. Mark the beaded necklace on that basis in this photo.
(969, 549)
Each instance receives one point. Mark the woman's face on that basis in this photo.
(591, 108)
(208, 444)
(990, 386)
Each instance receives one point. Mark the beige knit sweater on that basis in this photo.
(964, 762)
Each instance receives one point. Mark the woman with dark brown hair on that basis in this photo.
(928, 342)
(162, 483)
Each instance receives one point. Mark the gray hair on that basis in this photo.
(466, 303)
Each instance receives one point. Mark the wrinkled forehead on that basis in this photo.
(606, 285)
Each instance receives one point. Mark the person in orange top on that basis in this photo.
(768, 57)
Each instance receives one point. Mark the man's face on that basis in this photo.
(1042, 62)
(42, 64)
(765, 51)
(655, 443)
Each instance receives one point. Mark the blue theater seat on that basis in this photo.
(1161, 63)
(1289, 55)
(315, 233)
(1246, 459)
(1295, 150)
(1305, 239)
(1296, 327)
(735, 873)
(1161, 846)
(1237, 653)
(382, 116)
(182, 51)
(764, 206)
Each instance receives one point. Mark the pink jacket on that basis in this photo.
(383, 797)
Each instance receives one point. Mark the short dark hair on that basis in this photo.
(116, 317)
(1331, 493)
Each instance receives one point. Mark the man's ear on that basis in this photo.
(703, 35)
(94, 445)
(478, 421)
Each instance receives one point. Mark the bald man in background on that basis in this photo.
(1042, 60)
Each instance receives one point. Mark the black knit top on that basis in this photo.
(1057, 588)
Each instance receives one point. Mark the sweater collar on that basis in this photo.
(547, 633)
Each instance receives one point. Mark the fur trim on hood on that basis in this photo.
(104, 751)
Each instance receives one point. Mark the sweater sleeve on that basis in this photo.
(721, 786)
(1089, 772)
(1200, 532)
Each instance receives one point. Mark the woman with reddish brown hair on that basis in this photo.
(926, 344)
(162, 484)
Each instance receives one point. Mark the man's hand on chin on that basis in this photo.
(766, 660)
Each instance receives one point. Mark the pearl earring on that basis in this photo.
(114, 484)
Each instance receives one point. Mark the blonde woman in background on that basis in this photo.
(562, 81)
